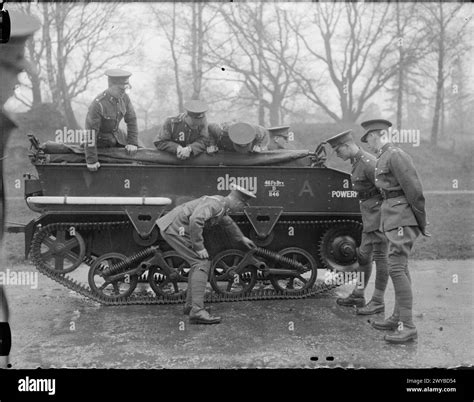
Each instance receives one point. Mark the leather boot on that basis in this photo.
(371, 308)
(351, 300)
(203, 317)
(390, 324)
(187, 309)
(405, 335)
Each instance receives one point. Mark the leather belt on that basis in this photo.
(365, 195)
(392, 194)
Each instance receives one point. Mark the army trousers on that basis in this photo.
(198, 274)
(104, 140)
(400, 244)
(373, 247)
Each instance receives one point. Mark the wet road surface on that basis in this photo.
(53, 327)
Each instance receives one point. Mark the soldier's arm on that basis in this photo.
(231, 228)
(199, 146)
(201, 214)
(369, 170)
(93, 120)
(163, 140)
(131, 120)
(402, 167)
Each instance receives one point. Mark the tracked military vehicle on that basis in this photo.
(305, 217)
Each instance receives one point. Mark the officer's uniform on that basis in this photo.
(278, 138)
(373, 244)
(403, 216)
(104, 117)
(184, 131)
(237, 137)
(182, 228)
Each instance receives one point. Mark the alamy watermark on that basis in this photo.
(342, 278)
(403, 136)
(77, 136)
(21, 278)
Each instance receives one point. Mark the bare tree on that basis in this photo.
(187, 28)
(74, 47)
(257, 42)
(446, 27)
(359, 61)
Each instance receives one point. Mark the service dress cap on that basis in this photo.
(374, 125)
(241, 192)
(22, 27)
(281, 131)
(196, 107)
(117, 73)
(341, 138)
(242, 133)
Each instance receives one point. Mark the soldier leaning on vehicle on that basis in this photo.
(373, 243)
(105, 115)
(186, 134)
(279, 138)
(237, 137)
(403, 219)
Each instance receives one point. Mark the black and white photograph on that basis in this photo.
(238, 185)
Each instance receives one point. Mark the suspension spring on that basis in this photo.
(130, 261)
(278, 258)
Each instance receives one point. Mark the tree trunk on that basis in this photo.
(261, 107)
(179, 91)
(439, 81)
(61, 78)
(197, 48)
(401, 67)
(33, 75)
(47, 21)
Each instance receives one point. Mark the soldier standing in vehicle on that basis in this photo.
(182, 228)
(105, 115)
(279, 138)
(237, 137)
(187, 134)
(403, 219)
(373, 245)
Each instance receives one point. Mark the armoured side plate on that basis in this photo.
(263, 219)
(143, 218)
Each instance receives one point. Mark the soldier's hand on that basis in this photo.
(211, 149)
(257, 149)
(93, 167)
(248, 243)
(131, 149)
(179, 152)
(203, 254)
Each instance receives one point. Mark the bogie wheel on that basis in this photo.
(225, 280)
(102, 286)
(168, 284)
(62, 251)
(304, 280)
(338, 246)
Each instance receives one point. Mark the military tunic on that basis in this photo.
(104, 117)
(182, 228)
(373, 243)
(398, 179)
(178, 131)
(403, 217)
(219, 136)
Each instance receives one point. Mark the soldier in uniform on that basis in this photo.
(186, 134)
(104, 117)
(374, 243)
(182, 229)
(403, 219)
(12, 62)
(237, 137)
(279, 138)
